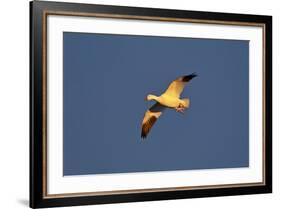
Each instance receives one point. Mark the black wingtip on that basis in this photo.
(189, 77)
(143, 133)
(143, 136)
(193, 75)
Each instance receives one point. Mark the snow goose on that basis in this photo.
(169, 99)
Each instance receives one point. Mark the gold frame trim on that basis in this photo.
(151, 18)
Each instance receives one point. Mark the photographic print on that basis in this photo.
(139, 104)
(199, 87)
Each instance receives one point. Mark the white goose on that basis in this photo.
(169, 99)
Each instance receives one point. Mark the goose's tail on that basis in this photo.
(186, 102)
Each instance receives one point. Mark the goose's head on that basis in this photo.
(150, 97)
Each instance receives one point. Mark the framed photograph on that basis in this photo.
(138, 104)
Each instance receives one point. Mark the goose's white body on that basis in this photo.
(169, 99)
(172, 102)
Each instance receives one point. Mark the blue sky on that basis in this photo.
(106, 78)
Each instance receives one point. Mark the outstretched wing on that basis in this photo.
(176, 87)
(150, 117)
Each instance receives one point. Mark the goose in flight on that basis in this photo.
(169, 99)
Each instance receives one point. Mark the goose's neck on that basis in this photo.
(153, 97)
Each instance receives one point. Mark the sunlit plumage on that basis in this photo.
(169, 99)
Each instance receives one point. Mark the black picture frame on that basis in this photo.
(38, 11)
